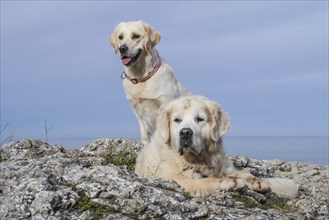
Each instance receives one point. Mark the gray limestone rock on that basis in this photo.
(39, 181)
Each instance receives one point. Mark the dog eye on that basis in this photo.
(199, 119)
(120, 37)
(177, 120)
(135, 36)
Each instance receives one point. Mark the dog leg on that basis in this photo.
(253, 182)
(143, 128)
(146, 112)
(144, 134)
(206, 186)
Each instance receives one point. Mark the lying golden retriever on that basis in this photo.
(148, 81)
(187, 148)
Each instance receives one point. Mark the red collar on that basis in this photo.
(149, 75)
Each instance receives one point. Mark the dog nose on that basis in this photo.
(186, 133)
(123, 48)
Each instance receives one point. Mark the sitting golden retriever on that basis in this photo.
(187, 148)
(148, 80)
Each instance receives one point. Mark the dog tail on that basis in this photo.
(283, 186)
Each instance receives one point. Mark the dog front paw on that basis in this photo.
(259, 185)
(233, 184)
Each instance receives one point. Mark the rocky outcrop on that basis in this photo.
(39, 181)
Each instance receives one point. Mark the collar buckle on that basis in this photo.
(134, 81)
(123, 75)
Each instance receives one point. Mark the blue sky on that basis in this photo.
(265, 62)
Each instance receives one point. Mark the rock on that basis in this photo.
(39, 181)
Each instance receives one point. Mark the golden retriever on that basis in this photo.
(148, 81)
(187, 148)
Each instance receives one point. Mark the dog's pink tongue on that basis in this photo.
(125, 61)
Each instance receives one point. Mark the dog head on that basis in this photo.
(192, 124)
(133, 40)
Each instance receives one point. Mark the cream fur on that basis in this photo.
(202, 167)
(146, 97)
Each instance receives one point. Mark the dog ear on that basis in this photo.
(113, 40)
(224, 123)
(219, 121)
(152, 37)
(163, 123)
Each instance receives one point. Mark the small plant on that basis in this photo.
(187, 195)
(317, 172)
(9, 137)
(98, 210)
(278, 203)
(170, 188)
(47, 130)
(121, 159)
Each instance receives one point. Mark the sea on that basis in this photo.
(311, 150)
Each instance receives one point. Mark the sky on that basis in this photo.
(265, 62)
